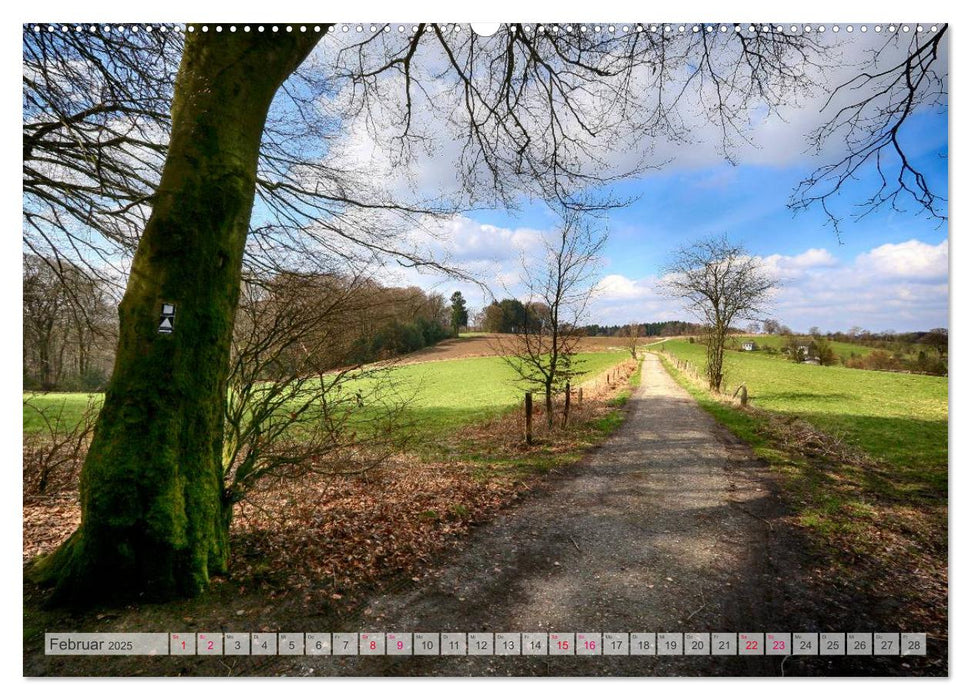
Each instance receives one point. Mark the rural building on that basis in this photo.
(749, 346)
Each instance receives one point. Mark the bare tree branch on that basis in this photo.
(542, 350)
(720, 283)
(880, 101)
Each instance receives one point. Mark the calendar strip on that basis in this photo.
(487, 644)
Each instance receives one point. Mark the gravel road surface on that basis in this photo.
(667, 527)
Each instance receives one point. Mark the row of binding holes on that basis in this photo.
(540, 28)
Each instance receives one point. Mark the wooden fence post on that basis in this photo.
(529, 418)
(742, 393)
(580, 396)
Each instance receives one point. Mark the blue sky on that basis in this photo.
(748, 202)
(885, 271)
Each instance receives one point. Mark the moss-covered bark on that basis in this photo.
(154, 521)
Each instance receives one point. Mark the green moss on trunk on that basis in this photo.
(154, 518)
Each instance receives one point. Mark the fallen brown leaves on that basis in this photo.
(49, 522)
(343, 532)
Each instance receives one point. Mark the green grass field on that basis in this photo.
(453, 393)
(445, 394)
(63, 410)
(898, 418)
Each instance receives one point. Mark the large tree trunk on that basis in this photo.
(154, 520)
(716, 355)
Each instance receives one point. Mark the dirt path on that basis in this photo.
(667, 527)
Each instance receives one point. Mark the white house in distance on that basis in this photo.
(749, 346)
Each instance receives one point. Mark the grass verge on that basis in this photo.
(878, 528)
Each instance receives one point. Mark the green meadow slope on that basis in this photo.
(441, 395)
(898, 418)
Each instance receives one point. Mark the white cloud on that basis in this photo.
(912, 260)
(901, 286)
(814, 257)
(620, 299)
(616, 287)
(490, 255)
(465, 240)
(786, 268)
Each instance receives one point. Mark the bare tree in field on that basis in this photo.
(559, 287)
(721, 283)
(144, 152)
(632, 338)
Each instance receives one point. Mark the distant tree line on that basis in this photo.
(397, 320)
(925, 352)
(646, 330)
(70, 327)
(935, 339)
(352, 320)
(513, 316)
(70, 321)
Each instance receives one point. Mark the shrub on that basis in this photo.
(823, 351)
(52, 457)
(876, 360)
